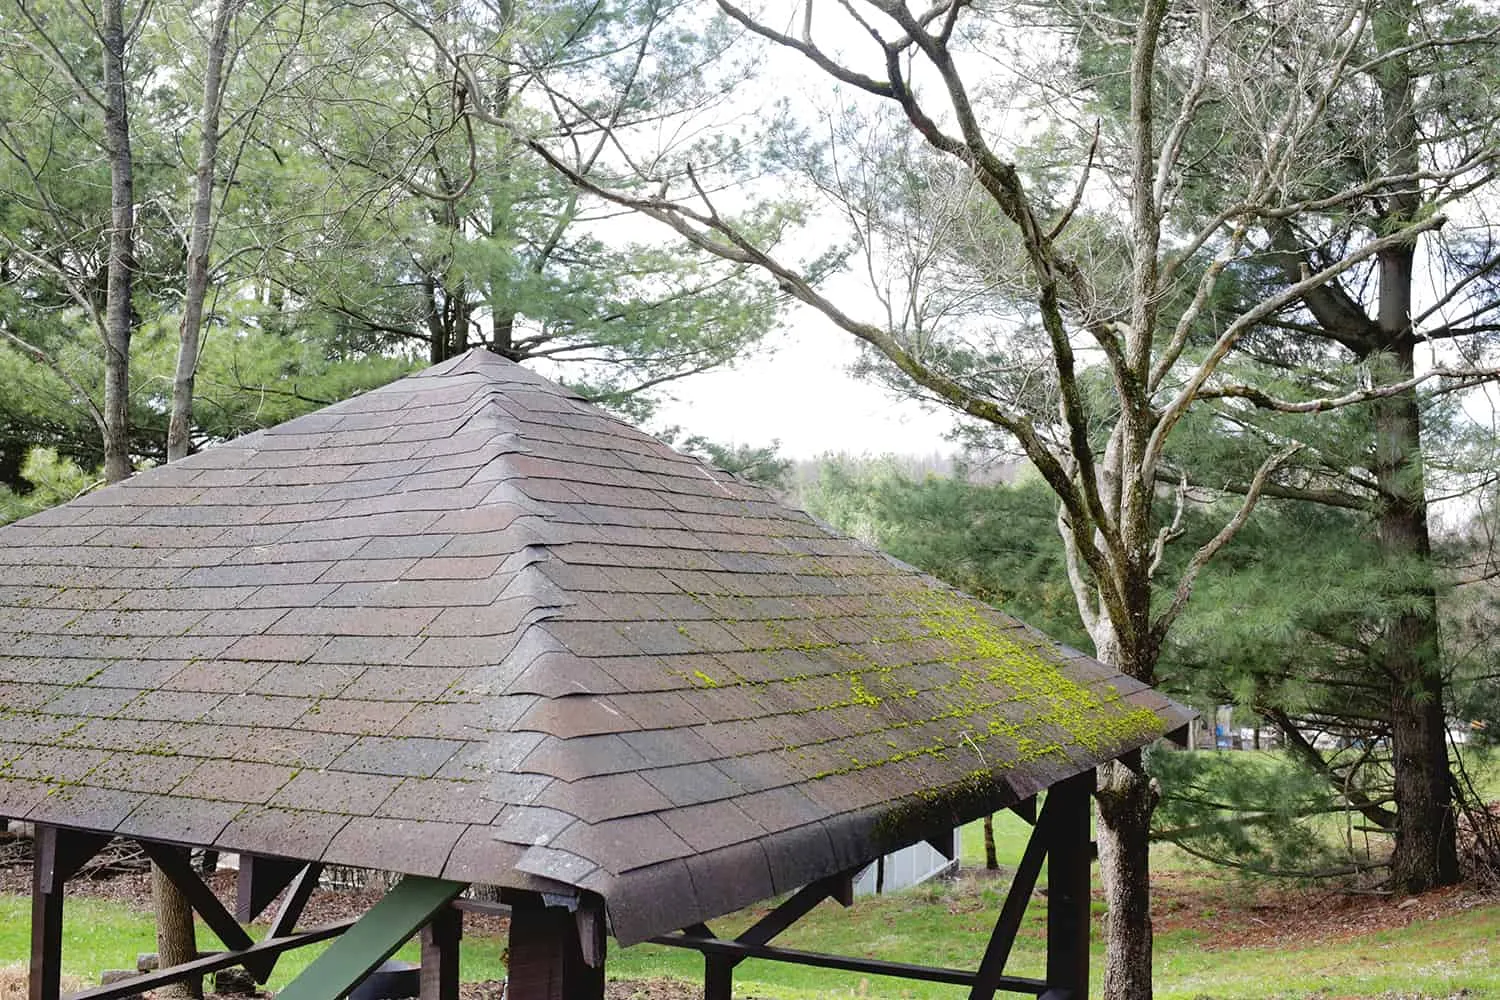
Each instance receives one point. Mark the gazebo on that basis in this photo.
(470, 629)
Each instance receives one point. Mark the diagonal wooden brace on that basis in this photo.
(1008, 924)
(296, 900)
(718, 969)
(179, 870)
(373, 938)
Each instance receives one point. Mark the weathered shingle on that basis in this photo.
(469, 625)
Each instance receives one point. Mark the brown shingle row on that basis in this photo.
(467, 625)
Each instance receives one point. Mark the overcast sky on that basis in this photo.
(801, 393)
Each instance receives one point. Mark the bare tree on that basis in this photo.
(109, 97)
(119, 321)
(216, 66)
(1123, 280)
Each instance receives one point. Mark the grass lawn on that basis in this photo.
(1445, 949)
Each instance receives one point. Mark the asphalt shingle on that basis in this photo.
(469, 625)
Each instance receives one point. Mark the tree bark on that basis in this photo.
(118, 314)
(1126, 798)
(1426, 849)
(179, 427)
(991, 858)
(437, 337)
(176, 938)
(498, 291)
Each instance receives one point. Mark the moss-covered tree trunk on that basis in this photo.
(1126, 798)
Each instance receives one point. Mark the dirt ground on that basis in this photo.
(1245, 915)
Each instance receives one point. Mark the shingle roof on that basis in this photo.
(467, 625)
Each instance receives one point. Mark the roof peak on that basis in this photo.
(468, 624)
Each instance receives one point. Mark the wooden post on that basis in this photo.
(260, 880)
(56, 857)
(546, 956)
(718, 977)
(46, 925)
(1069, 861)
(440, 939)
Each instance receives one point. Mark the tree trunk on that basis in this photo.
(437, 337)
(176, 939)
(1426, 851)
(179, 428)
(498, 293)
(121, 266)
(991, 859)
(502, 339)
(1126, 800)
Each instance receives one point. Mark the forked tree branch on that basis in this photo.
(1460, 378)
(1248, 319)
(1211, 548)
(711, 232)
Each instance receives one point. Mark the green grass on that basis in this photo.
(1437, 958)
(942, 924)
(99, 935)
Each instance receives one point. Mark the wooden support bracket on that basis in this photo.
(296, 900)
(997, 952)
(718, 967)
(261, 879)
(1026, 809)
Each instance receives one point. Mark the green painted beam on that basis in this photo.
(373, 938)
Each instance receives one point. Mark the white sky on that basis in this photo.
(800, 392)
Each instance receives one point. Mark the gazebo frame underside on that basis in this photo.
(557, 947)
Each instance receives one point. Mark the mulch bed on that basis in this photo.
(1236, 914)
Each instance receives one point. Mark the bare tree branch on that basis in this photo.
(1211, 548)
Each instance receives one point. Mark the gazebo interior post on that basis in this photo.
(1070, 862)
(259, 881)
(555, 953)
(440, 938)
(57, 855)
